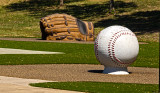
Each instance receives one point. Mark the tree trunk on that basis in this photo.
(61, 2)
(112, 6)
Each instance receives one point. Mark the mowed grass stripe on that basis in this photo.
(74, 54)
(101, 87)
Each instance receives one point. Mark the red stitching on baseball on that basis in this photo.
(96, 48)
(111, 46)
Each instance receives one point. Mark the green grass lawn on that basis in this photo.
(74, 54)
(20, 18)
(101, 87)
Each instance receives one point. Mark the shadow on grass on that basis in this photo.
(142, 22)
(41, 8)
(96, 10)
(33, 5)
(138, 22)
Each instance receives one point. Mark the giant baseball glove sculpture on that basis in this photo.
(66, 27)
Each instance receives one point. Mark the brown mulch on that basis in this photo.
(79, 72)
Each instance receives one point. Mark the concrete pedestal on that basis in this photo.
(116, 70)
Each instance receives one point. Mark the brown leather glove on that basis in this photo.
(66, 27)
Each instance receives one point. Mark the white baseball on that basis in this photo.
(116, 47)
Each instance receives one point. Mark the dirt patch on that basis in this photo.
(79, 72)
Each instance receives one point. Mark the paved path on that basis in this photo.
(20, 85)
(22, 51)
(20, 81)
(79, 72)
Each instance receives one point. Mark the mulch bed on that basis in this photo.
(79, 72)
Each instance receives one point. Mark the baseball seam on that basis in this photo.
(96, 49)
(111, 46)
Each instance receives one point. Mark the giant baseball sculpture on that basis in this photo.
(116, 47)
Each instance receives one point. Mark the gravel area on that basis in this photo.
(79, 72)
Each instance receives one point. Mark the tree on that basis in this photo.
(112, 6)
(61, 2)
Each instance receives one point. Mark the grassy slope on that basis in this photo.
(101, 87)
(18, 24)
(21, 19)
(148, 56)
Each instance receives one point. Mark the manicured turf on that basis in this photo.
(75, 54)
(20, 18)
(101, 87)
(148, 55)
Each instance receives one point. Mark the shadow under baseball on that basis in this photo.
(95, 71)
(101, 71)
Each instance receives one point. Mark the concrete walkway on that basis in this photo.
(19, 85)
(22, 51)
